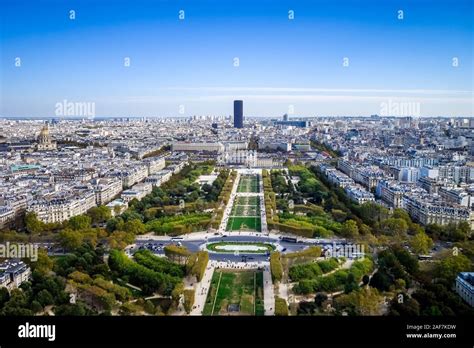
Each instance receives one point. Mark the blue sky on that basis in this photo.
(285, 65)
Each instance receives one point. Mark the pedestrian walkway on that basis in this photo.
(201, 289)
(268, 292)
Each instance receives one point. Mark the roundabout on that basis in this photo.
(240, 247)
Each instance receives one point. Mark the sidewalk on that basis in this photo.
(268, 292)
(201, 289)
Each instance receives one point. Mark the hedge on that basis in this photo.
(312, 251)
(281, 307)
(328, 265)
(139, 275)
(177, 253)
(336, 280)
(188, 300)
(276, 266)
(158, 264)
(121, 293)
(198, 263)
(305, 271)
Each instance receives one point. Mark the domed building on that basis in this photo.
(44, 142)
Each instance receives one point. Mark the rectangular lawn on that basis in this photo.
(244, 224)
(235, 293)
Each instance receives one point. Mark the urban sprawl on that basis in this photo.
(234, 215)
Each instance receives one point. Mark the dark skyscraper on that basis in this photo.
(238, 114)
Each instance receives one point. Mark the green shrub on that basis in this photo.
(328, 265)
(281, 307)
(188, 300)
(200, 264)
(276, 266)
(304, 271)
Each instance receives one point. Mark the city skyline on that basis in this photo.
(198, 61)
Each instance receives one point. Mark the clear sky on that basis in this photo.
(285, 65)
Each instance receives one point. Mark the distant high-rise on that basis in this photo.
(238, 114)
(285, 117)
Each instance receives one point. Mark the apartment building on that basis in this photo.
(13, 273)
(391, 193)
(106, 189)
(7, 215)
(197, 146)
(455, 195)
(358, 194)
(138, 191)
(155, 165)
(63, 208)
(429, 209)
(465, 287)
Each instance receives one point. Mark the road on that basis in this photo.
(197, 241)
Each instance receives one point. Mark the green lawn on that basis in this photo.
(245, 210)
(215, 247)
(241, 289)
(244, 224)
(248, 183)
(245, 215)
(240, 200)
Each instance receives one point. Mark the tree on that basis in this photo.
(365, 279)
(176, 253)
(134, 226)
(188, 303)
(114, 224)
(177, 292)
(401, 214)
(366, 301)
(45, 298)
(70, 239)
(381, 280)
(77, 309)
(394, 227)
(338, 215)
(409, 307)
(120, 239)
(4, 296)
(36, 306)
(421, 243)
(276, 266)
(99, 214)
(44, 264)
(351, 283)
(371, 213)
(79, 222)
(349, 229)
(149, 307)
(449, 267)
(320, 298)
(281, 307)
(33, 225)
